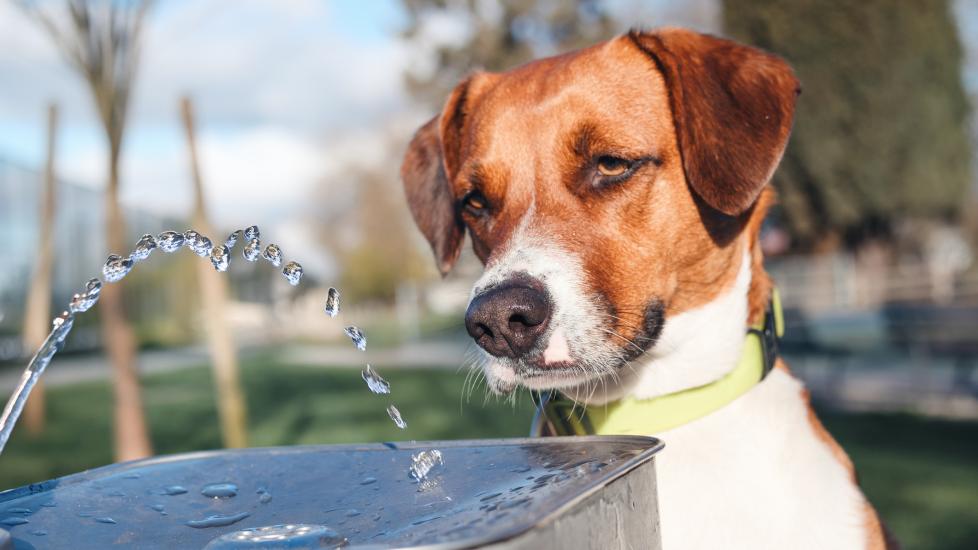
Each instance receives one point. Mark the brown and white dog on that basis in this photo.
(615, 195)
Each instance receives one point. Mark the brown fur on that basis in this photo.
(522, 137)
(733, 107)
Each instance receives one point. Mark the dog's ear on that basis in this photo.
(732, 106)
(431, 157)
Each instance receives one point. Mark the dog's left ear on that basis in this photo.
(732, 106)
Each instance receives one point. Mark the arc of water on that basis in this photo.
(115, 269)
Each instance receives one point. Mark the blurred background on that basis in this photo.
(119, 118)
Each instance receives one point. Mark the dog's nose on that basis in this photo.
(507, 320)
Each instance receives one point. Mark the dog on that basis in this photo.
(615, 195)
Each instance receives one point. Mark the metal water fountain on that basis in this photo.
(517, 493)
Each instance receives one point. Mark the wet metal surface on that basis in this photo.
(485, 491)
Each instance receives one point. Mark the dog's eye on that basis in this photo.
(475, 202)
(612, 167)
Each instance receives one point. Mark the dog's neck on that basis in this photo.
(696, 347)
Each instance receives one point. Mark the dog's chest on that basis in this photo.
(755, 475)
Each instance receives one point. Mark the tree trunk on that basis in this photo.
(214, 298)
(37, 318)
(131, 435)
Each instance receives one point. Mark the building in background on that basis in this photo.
(78, 244)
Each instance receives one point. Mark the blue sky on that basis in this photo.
(285, 91)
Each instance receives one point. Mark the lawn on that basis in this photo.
(922, 474)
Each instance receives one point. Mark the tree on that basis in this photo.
(511, 33)
(101, 42)
(37, 318)
(214, 297)
(881, 130)
(373, 239)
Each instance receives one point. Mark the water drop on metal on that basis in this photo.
(219, 490)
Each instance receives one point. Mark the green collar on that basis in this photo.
(557, 415)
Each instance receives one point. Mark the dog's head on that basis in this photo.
(605, 190)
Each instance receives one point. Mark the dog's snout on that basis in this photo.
(507, 320)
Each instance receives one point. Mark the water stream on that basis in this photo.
(117, 267)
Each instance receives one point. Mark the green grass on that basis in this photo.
(921, 474)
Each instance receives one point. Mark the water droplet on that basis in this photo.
(199, 244)
(252, 250)
(39, 533)
(358, 337)
(252, 233)
(368, 480)
(273, 254)
(217, 520)
(423, 462)
(353, 512)
(144, 247)
(396, 417)
(62, 325)
(264, 496)
(332, 302)
(82, 302)
(232, 239)
(374, 381)
(106, 520)
(170, 241)
(116, 267)
(157, 507)
(49, 504)
(220, 257)
(219, 490)
(24, 511)
(172, 490)
(521, 469)
(292, 272)
(295, 535)
(12, 521)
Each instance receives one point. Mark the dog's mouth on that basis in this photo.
(557, 367)
(580, 356)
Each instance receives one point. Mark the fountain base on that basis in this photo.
(569, 492)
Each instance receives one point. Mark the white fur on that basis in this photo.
(755, 475)
(751, 475)
(697, 346)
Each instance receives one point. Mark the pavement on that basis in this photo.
(73, 369)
